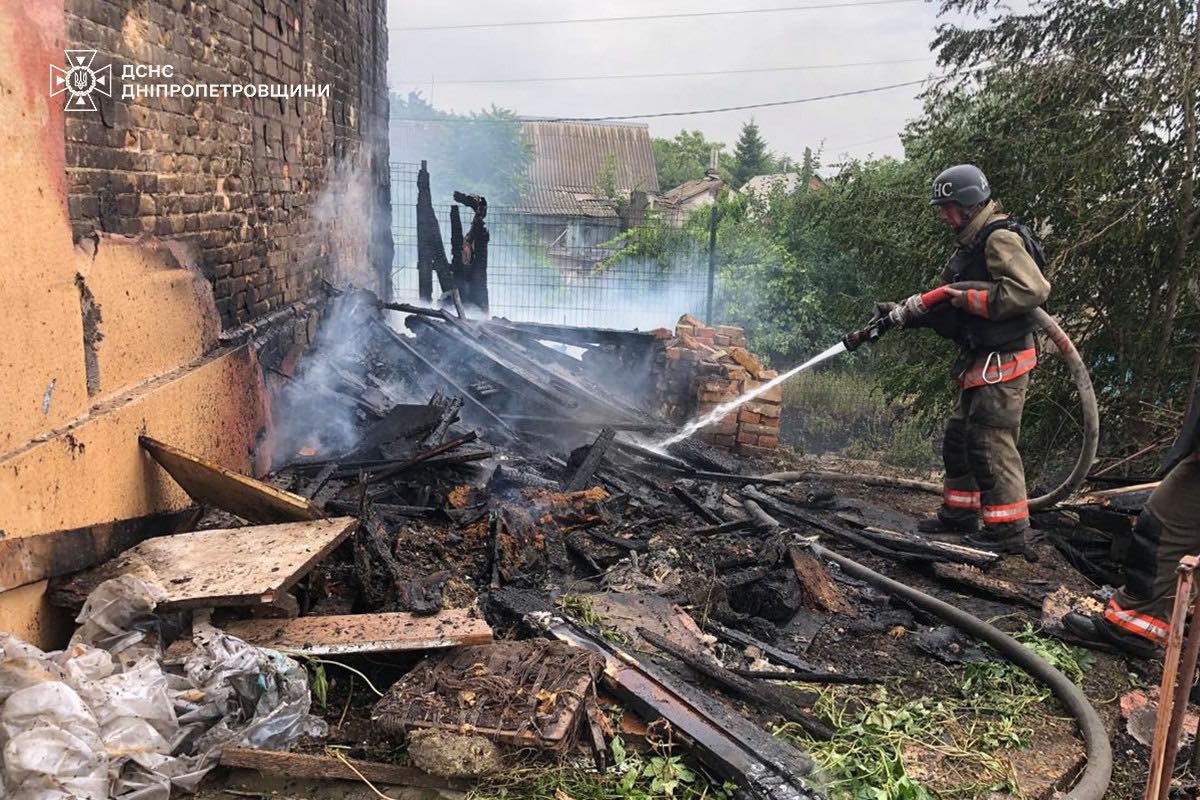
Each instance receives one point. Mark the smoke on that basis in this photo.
(350, 217)
(319, 411)
(631, 294)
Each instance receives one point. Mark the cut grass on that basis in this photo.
(580, 608)
(895, 748)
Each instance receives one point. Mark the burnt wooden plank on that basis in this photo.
(764, 695)
(357, 633)
(424, 456)
(973, 578)
(499, 368)
(820, 589)
(404, 421)
(725, 527)
(250, 499)
(404, 345)
(595, 454)
(566, 422)
(763, 766)
(301, 765)
(28, 559)
(692, 502)
(222, 567)
(448, 407)
(569, 334)
(576, 382)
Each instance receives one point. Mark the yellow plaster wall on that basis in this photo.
(41, 333)
(157, 311)
(68, 459)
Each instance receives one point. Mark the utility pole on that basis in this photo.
(712, 264)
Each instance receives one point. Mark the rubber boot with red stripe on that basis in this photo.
(1100, 633)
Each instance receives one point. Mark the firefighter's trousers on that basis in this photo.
(984, 474)
(1167, 530)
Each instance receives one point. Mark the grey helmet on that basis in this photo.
(964, 184)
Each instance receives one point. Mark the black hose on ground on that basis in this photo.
(1096, 775)
(1087, 404)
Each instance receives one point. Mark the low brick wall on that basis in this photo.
(701, 367)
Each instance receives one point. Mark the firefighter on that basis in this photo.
(1137, 617)
(985, 479)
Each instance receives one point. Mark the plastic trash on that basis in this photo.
(52, 745)
(103, 719)
(118, 616)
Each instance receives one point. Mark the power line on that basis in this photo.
(551, 79)
(619, 117)
(477, 26)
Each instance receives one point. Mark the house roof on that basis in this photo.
(568, 158)
(787, 182)
(690, 189)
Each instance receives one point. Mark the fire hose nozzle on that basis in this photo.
(877, 327)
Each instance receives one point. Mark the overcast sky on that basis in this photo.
(432, 60)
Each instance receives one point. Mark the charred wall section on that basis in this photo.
(272, 194)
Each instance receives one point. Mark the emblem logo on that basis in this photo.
(80, 80)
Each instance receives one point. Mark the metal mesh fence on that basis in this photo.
(565, 270)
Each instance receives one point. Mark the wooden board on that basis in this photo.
(821, 591)
(27, 559)
(356, 633)
(250, 499)
(300, 765)
(223, 567)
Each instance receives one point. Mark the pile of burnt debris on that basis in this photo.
(483, 502)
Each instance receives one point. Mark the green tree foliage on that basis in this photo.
(686, 158)
(750, 155)
(1083, 115)
(483, 152)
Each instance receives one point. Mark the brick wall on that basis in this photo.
(271, 194)
(699, 368)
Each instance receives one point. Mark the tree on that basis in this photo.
(483, 152)
(686, 158)
(750, 155)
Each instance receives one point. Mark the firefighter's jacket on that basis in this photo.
(993, 328)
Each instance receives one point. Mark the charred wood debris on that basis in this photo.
(528, 570)
(506, 469)
(504, 481)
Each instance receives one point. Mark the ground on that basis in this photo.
(980, 729)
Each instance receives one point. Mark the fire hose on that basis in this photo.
(920, 304)
(1093, 783)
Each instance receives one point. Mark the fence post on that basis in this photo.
(712, 264)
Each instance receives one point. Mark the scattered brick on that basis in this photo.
(702, 368)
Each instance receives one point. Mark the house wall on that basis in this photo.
(106, 334)
(254, 185)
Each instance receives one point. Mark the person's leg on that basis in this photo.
(1137, 617)
(1167, 530)
(994, 427)
(960, 494)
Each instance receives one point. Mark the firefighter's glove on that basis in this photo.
(882, 309)
(905, 313)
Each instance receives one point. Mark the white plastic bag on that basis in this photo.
(51, 763)
(52, 745)
(118, 615)
(102, 719)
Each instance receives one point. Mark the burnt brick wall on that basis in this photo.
(271, 194)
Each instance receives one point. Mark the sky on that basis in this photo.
(436, 61)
